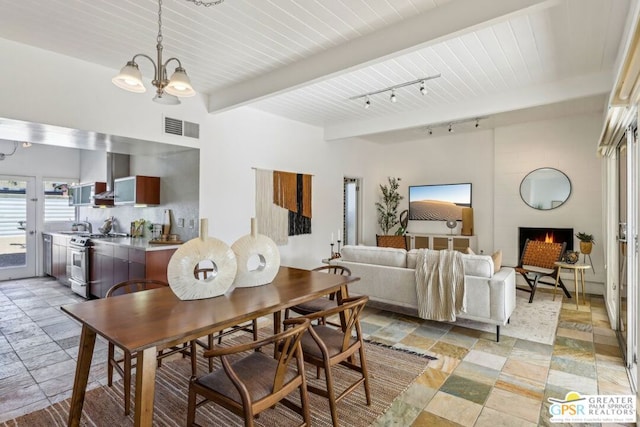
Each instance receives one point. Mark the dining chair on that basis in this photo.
(124, 365)
(537, 262)
(322, 303)
(250, 327)
(249, 384)
(327, 347)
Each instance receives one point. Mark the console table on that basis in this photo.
(442, 241)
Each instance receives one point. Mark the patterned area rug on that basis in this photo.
(390, 373)
(537, 321)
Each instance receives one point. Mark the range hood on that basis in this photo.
(117, 167)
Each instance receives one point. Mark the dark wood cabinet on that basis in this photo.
(112, 264)
(59, 258)
(137, 190)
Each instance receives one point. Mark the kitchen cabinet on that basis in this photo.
(137, 190)
(128, 264)
(112, 264)
(83, 194)
(101, 269)
(59, 248)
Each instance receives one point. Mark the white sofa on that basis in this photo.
(387, 275)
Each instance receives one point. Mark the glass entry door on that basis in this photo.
(17, 227)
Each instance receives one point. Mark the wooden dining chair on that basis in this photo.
(257, 381)
(322, 303)
(538, 262)
(326, 347)
(124, 365)
(251, 327)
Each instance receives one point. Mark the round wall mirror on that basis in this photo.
(545, 188)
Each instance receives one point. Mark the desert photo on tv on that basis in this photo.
(438, 202)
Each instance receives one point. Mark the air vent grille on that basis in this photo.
(181, 128)
(173, 126)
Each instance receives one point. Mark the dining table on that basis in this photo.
(144, 322)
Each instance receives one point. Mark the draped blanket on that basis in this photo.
(440, 284)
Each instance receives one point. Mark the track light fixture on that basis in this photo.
(450, 126)
(392, 89)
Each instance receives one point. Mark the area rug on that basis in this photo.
(537, 321)
(390, 373)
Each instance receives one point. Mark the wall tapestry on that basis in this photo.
(283, 204)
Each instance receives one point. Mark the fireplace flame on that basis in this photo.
(548, 238)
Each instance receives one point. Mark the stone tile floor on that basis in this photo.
(474, 382)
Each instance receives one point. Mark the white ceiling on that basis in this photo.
(304, 59)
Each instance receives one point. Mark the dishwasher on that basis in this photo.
(47, 250)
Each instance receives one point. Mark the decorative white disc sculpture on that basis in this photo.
(258, 259)
(181, 271)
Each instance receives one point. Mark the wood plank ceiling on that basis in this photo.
(304, 59)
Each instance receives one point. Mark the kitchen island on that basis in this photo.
(113, 260)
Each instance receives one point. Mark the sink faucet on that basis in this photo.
(86, 224)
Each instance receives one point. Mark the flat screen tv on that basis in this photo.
(441, 202)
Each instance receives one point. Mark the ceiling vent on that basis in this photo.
(181, 128)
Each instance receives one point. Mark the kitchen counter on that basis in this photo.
(129, 242)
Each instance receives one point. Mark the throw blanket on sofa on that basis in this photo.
(440, 284)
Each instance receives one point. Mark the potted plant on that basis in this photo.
(586, 242)
(388, 207)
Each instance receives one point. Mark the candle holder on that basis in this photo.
(331, 256)
(338, 255)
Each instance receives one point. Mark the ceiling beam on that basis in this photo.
(517, 99)
(443, 22)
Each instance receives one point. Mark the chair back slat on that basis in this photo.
(289, 348)
(137, 285)
(542, 254)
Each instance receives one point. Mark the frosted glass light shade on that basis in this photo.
(166, 99)
(130, 78)
(180, 84)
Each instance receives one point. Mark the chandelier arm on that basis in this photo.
(155, 67)
(171, 59)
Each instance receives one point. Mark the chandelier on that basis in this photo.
(167, 90)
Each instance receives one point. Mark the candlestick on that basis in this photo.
(331, 256)
(338, 253)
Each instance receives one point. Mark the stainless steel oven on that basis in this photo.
(78, 258)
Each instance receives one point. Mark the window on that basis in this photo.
(56, 200)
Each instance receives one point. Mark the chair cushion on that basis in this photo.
(331, 337)
(256, 371)
(313, 306)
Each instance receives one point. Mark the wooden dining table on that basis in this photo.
(144, 322)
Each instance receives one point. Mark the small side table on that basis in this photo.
(577, 269)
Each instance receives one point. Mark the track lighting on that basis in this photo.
(450, 125)
(392, 89)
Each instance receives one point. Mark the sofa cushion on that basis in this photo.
(497, 261)
(412, 258)
(478, 265)
(390, 257)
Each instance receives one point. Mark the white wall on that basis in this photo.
(567, 144)
(237, 141)
(457, 158)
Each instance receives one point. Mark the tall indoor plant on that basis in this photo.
(388, 206)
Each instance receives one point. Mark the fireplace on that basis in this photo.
(545, 234)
